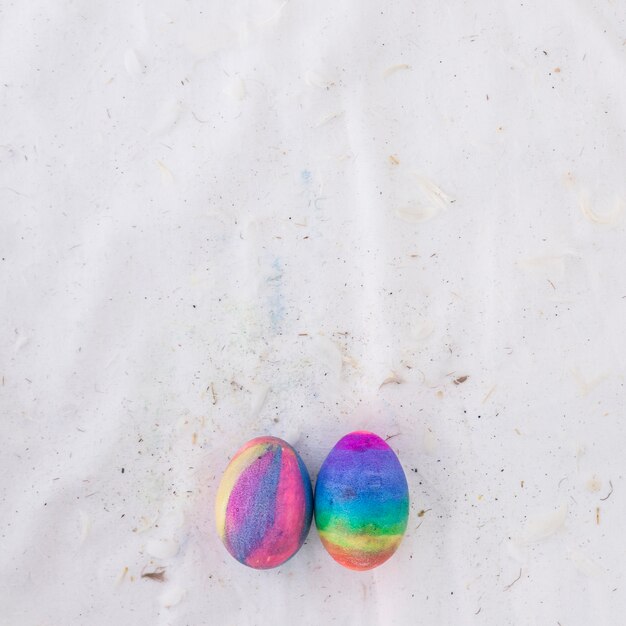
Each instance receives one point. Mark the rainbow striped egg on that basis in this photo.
(264, 503)
(361, 501)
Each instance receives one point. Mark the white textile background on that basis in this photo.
(227, 219)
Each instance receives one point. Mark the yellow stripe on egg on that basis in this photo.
(238, 465)
(362, 543)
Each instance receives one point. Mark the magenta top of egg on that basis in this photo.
(361, 440)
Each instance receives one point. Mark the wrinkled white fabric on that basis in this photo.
(227, 219)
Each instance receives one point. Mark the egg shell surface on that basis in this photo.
(361, 501)
(264, 503)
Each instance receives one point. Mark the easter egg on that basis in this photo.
(361, 501)
(264, 503)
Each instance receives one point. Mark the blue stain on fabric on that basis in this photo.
(277, 307)
(261, 514)
(306, 176)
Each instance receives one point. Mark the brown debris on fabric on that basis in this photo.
(158, 575)
(488, 395)
(393, 379)
(594, 484)
(511, 584)
(608, 495)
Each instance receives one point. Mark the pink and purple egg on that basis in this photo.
(264, 503)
